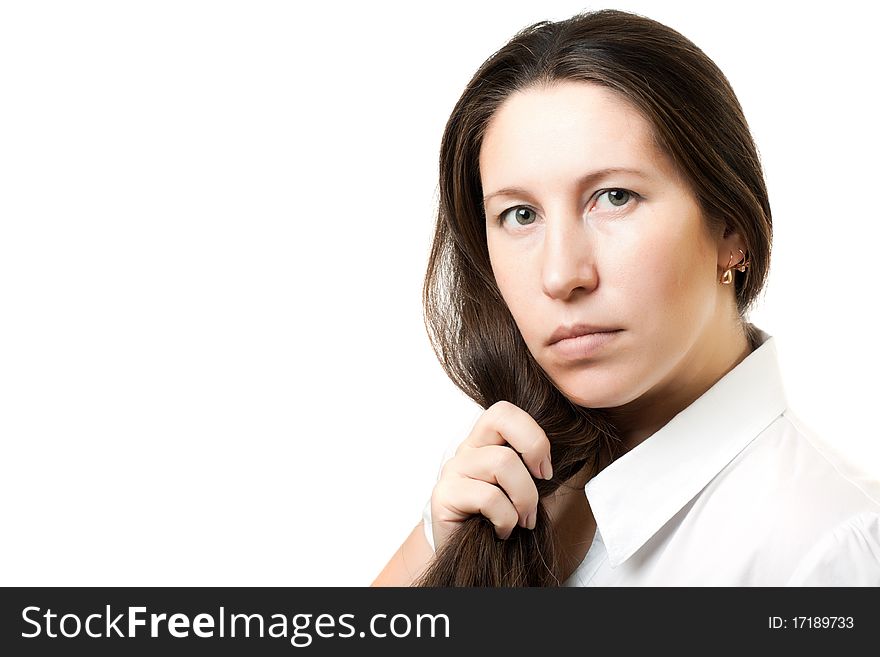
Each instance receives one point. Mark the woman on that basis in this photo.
(603, 230)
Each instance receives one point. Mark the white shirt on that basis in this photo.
(733, 491)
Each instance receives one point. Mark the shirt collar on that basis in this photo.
(634, 496)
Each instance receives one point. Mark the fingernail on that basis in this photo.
(533, 516)
(546, 469)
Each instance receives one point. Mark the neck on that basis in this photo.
(718, 352)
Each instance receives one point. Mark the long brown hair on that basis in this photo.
(697, 120)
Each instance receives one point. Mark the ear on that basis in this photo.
(729, 244)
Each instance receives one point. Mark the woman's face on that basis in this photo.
(600, 229)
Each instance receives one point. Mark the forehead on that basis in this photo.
(541, 134)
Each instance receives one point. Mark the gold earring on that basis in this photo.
(727, 276)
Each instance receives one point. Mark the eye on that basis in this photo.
(523, 214)
(616, 197)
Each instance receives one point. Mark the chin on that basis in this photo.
(594, 400)
(592, 389)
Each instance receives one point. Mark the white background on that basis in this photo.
(215, 225)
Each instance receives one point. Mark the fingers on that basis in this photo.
(504, 423)
(492, 473)
(500, 466)
(468, 497)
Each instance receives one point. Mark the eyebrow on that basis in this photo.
(582, 181)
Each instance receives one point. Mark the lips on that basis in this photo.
(585, 347)
(577, 330)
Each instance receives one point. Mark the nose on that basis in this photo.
(569, 262)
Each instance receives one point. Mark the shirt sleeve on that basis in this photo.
(848, 555)
(426, 512)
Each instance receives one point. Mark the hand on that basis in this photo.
(488, 476)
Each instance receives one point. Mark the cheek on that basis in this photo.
(499, 261)
(661, 269)
(516, 282)
(505, 277)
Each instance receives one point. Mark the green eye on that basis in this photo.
(524, 215)
(617, 197)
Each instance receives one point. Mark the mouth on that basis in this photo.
(579, 347)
